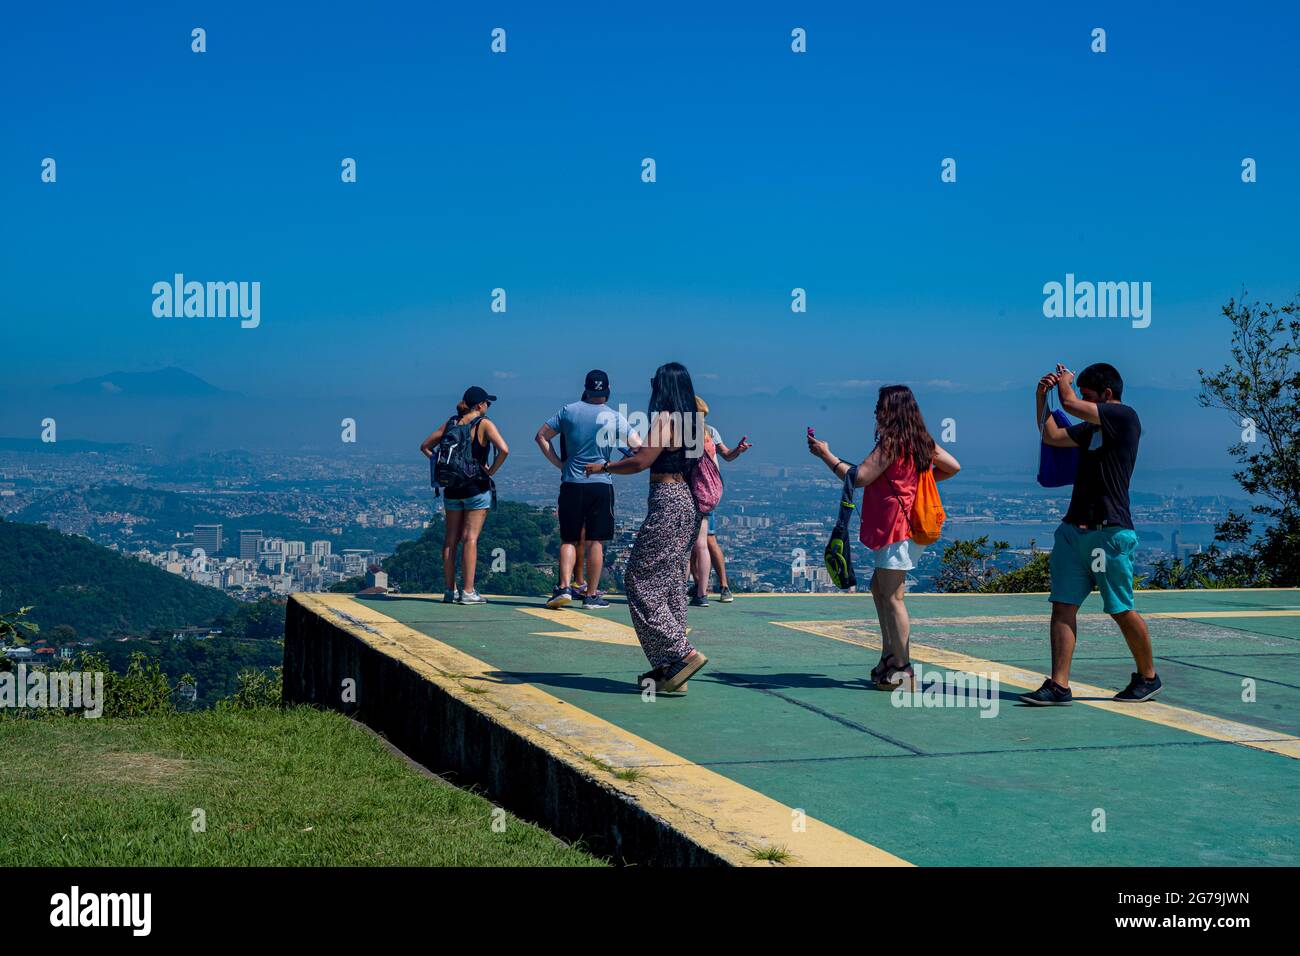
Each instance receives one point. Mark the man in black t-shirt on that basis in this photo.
(1095, 542)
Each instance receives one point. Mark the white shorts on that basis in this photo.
(899, 556)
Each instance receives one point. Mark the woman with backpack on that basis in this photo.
(706, 541)
(655, 580)
(458, 453)
(890, 477)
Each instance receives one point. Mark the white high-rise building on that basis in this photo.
(320, 549)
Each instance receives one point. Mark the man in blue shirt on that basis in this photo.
(586, 501)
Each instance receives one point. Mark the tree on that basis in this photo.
(1261, 388)
(965, 565)
(1032, 576)
(261, 620)
(62, 634)
(967, 568)
(15, 627)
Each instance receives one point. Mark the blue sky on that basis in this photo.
(522, 170)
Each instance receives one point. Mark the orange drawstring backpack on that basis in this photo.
(928, 515)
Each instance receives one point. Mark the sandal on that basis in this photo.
(657, 676)
(887, 676)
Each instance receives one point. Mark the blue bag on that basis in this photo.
(1057, 466)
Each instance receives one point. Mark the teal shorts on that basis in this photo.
(1102, 558)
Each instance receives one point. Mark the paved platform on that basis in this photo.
(783, 723)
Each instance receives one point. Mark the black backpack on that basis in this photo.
(839, 550)
(453, 466)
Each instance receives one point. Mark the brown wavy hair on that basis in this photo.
(900, 429)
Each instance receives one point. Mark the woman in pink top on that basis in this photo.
(888, 477)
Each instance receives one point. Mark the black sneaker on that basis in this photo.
(1139, 689)
(1051, 694)
(699, 601)
(560, 598)
(596, 600)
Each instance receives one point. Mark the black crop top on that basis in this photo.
(670, 462)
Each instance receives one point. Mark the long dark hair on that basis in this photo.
(900, 429)
(671, 391)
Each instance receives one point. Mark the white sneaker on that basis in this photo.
(471, 597)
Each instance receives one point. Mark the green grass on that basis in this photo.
(630, 774)
(296, 787)
(771, 854)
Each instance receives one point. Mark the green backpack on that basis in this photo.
(838, 556)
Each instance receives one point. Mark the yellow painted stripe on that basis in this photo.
(716, 812)
(1201, 592)
(1214, 614)
(583, 626)
(918, 620)
(1179, 718)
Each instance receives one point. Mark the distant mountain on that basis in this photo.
(164, 383)
(98, 592)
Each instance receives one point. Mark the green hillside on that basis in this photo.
(71, 581)
(527, 536)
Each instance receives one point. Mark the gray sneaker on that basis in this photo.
(471, 597)
(596, 600)
(699, 601)
(451, 597)
(726, 597)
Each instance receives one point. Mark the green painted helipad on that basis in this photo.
(1208, 776)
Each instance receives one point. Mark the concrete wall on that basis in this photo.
(473, 744)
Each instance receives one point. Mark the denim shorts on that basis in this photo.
(899, 556)
(478, 502)
(1102, 558)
